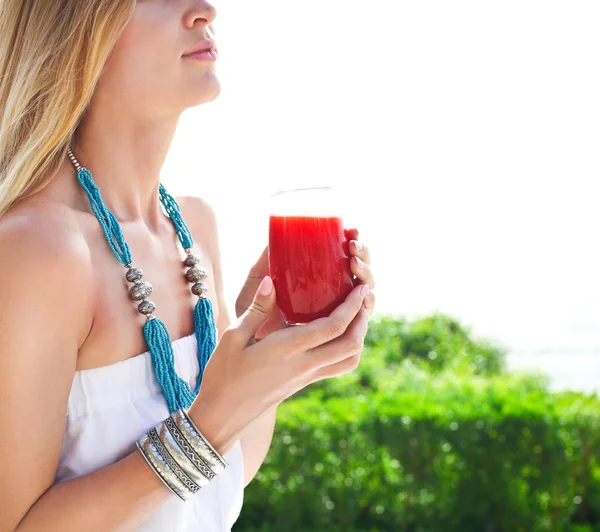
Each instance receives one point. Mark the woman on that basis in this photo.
(108, 79)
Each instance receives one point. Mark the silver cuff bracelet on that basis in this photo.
(199, 443)
(157, 463)
(180, 455)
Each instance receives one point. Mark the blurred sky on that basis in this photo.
(468, 133)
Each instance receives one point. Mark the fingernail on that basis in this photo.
(365, 290)
(360, 263)
(358, 245)
(266, 286)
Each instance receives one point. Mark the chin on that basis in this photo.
(208, 91)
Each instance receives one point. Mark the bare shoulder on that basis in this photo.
(43, 254)
(197, 209)
(200, 217)
(42, 231)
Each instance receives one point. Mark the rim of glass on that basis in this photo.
(308, 189)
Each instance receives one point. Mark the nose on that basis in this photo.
(200, 12)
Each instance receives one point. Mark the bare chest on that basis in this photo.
(117, 330)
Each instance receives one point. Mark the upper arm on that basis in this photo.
(204, 221)
(44, 314)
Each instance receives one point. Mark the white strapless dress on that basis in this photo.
(111, 407)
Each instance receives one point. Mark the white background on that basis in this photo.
(468, 133)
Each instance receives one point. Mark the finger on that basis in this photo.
(369, 303)
(349, 344)
(273, 323)
(335, 370)
(360, 250)
(258, 313)
(324, 330)
(261, 266)
(344, 365)
(351, 234)
(363, 272)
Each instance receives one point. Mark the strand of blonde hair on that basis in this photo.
(51, 55)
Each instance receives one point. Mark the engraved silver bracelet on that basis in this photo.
(180, 455)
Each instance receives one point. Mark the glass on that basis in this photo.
(309, 259)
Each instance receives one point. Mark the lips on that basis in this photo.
(203, 47)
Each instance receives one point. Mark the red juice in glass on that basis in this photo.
(308, 256)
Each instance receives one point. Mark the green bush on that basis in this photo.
(436, 343)
(439, 341)
(429, 434)
(433, 453)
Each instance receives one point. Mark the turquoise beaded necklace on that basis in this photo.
(177, 392)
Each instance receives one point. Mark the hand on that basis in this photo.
(242, 381)
(359, 252)
(244, 300)
(360, 264)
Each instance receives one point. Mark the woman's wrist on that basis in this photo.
(219, 425)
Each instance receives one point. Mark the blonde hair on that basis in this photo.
(51, 55)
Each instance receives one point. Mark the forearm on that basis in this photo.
(256, 442)
(118, 497)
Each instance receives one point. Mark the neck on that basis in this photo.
(125, 157)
